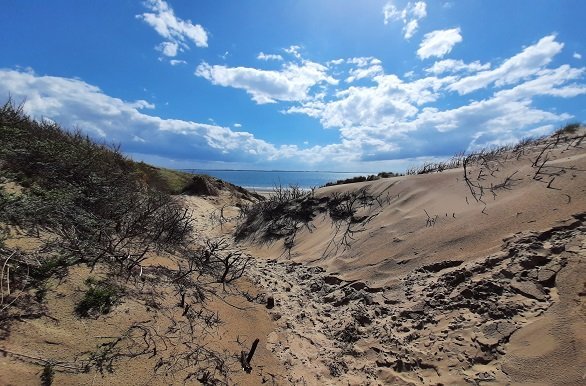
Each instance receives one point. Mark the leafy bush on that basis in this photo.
(100, 297)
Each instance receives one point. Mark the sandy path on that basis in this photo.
(448, 322)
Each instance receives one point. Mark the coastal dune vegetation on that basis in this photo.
(80, 219)
(466, 270)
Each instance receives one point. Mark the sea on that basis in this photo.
(268, 179)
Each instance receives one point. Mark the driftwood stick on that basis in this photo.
(252, 350)
(7, 278)
(40, 361)
(246, 359)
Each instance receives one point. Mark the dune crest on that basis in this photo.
(471, 275)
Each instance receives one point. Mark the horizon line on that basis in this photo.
(272, 170)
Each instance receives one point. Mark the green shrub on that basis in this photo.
(102, 206)
(51, 266)
(99, 298)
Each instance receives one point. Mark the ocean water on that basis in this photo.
(267, 179)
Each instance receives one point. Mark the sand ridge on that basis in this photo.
(459, 277)
(437, 287)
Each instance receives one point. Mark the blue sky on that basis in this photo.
(297, 85)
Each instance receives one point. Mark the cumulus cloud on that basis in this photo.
(365, 67)
(386, 104)
(439, 43)
(454, 66)
(576, 55)
(168, 48)
(526, 63)
(403, 114)
(180, 143)
(263, 56)
(74, 103)
(293, 50)
(176, 31)
(410, 16)
(175, 62)
(292, 83)
(380, 120)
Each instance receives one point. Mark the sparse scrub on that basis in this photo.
(482, 169)
(99, 298)
(88, 194)
(47, 375)
(289, 210)
(570, 128)
(372, 177)
(90, 205)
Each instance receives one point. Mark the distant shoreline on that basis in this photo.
(270, 171)
(267, 180)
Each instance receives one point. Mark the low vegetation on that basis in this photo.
(372, 177)
(289, 210)
(489, 153)
(82, 204)
(100, 297)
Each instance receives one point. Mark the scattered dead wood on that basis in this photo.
(245, 359)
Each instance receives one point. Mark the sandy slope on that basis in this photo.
(489, 291)
(430, 287)
(58, 335)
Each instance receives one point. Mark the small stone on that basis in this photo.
(558, 249)
(529, 289)
(546, 277)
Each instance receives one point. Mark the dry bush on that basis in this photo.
(90, 205)
(290, 210)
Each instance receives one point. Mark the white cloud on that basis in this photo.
(293, 50)
(551, 82)
(439, 43)
(528, 62)
(177, 31)
(168, 48)
(385, 119)
(175, 62)
(391, 13)
(335, 62)
(396, 118)
(366, 67)
(454, 66)
(389, 102)
(74, 103)
(576, 55)
(292, 83)
(263, 56)
(364, 61)
(410, 16)
(368, 72)
(418, 10)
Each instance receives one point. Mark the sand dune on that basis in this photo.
(434, 286)
(472, 276)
